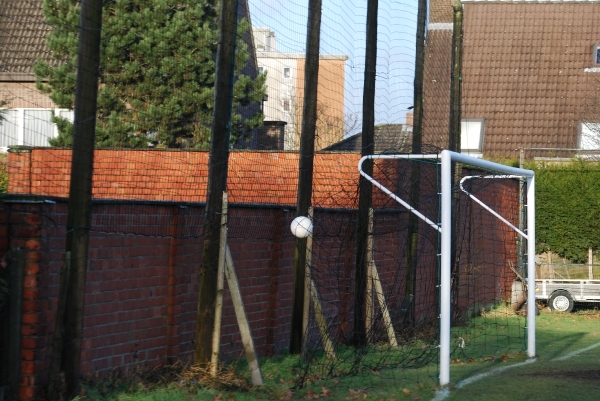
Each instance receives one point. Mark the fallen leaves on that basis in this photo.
(357, 394)
(311, 395)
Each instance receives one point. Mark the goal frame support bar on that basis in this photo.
(447, 157)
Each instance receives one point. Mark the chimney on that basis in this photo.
(409, 119)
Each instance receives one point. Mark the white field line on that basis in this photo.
(443, 394)
(575, 353)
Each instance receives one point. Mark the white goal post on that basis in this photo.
(447, 158)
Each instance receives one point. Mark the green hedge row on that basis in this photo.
(568, 208)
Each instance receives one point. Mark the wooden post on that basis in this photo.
(242, 319)
(80, 195)
(216, 340)
(365, 188)
(591, 264)
(456, 80)
(217, 179)
(59, 328)
(415, 172)
(369, 307)
(454, 142)
(17, 269)
(306, 166)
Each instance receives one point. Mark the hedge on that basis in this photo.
(568, 208)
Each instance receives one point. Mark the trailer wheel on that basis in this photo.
(561, 301)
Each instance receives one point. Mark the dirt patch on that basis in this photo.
(570, 374)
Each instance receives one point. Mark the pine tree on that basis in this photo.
(157, 72)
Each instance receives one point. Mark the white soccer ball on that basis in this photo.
(302, 227)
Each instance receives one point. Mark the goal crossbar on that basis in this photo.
(447, 158)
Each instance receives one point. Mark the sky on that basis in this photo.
(343, 31)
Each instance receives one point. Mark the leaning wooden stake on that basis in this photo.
(312, 295)
(306, 308)
(383, 305)
(321, 321)
(240, 314)
(216, 340)
(375, 282)
(369, 306)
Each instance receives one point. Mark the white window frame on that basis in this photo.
(471, 141)
(20, 122)
(596, 55)
(588, 136)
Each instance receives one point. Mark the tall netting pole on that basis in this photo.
(417, 141)
(306, 166)
(66, 355)
(365, 188)
(455, 139)
(217, 179)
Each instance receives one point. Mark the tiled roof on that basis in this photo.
(388, 138)
(181, 176)
(527, 72)
(22, 35)
(524, 71)
(436, 85)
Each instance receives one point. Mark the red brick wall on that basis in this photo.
(142, 281)
(181, 176)
(142, 289)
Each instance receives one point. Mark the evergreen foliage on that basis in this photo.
(156, 74)
(568, 208)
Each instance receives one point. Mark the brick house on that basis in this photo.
(530, 75)
(22, 42)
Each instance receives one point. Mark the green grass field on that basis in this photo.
(501, 375)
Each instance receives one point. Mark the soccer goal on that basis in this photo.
(482, 212)
(449, 243)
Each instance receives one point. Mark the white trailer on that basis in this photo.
(561, 294)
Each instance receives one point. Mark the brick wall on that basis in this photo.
(254, 177)
(142, 281)
(142, 289)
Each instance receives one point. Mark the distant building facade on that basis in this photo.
(285, 91)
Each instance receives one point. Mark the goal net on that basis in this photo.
(450, 245)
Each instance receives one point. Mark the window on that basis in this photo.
(287, 72)
(471, 136)
(32, 127)
(596, 55)
(286, 105)
(589, 136)
(261, 70)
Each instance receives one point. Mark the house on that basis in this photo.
(28, 118)
(22, 42)
(530, 78)
(285, 88)
(389, 138)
